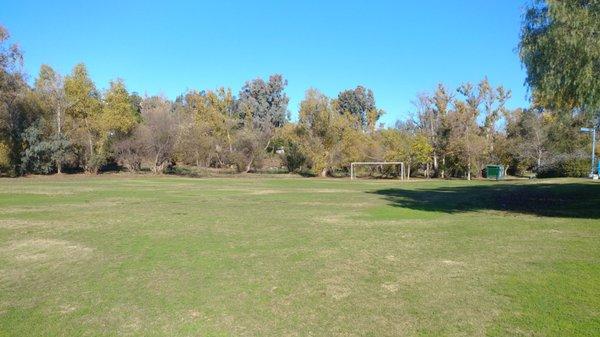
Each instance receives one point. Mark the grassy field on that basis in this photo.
(267, 256)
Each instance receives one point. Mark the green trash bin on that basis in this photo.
(495, 172)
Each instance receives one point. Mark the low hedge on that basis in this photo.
(571, 167)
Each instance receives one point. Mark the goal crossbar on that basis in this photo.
(367, 163)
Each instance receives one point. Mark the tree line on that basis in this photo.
(61, 123)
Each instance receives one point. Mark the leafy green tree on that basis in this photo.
(249, 149)
(16, 113)
(432, 119)
(264, 103)
(49, 89)
(136, 101)
(360, 102)
(158, 132)
(197, 146)
(560, 47)
(208, 127)
(97, 123)
(494, 105)
(465, 144)
(119, 115)
(319, 132)
(288, 139)
(116, 120)
(528, 130)
(84, 111)
(329, 140)
(420, 151)
(4, 157)
(405, 145)
(41, 153)
(396, 145)
(263, 108)
(463, 130)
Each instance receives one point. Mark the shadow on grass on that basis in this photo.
(553, 200)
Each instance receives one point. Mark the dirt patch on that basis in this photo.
(194, 314)
(66, 309)
(337, 291)
(391, 287)
(391, 258)
(337, 287)
(333, 219)
(452, 263)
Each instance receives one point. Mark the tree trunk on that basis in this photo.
(59, 131)
(91, 145)
(229, 141)
(249, 165)
(443, 172)
(469, 171)
(435, 165)
(91, 155)
(90, 149)
(267, 146)
(324, 172)
(157, 165)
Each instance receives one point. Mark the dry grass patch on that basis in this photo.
(44, 250)
(264, 192)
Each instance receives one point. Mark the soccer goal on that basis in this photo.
(398, 164)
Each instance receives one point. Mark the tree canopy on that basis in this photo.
(67, 122)
(560, 48)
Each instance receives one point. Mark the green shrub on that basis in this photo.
(293, 158)
(4, 157)
(182, 171)
(97, 160)
(570, 167)
(274, 170)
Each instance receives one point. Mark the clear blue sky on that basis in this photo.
(396, 48)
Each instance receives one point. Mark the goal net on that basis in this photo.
(395, 166)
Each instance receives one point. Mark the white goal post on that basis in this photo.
(376, 163)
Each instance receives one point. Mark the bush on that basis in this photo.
(569, 167)
(182, 171)
(4, 157)
(96, 162)
(111, 165)
(42, 151)
(293, 158)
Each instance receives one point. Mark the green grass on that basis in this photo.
(272, 256)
